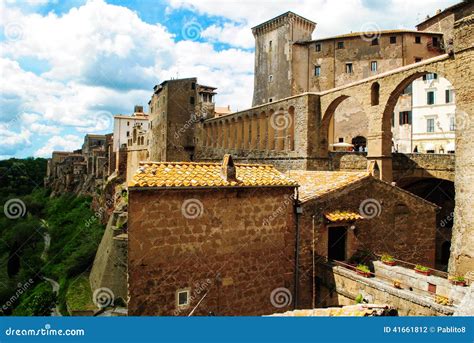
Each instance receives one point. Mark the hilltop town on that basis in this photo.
(348, 179)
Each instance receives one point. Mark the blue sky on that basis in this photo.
(68, 66)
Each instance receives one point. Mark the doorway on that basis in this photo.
(337, 242)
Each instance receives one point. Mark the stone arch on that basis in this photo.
(280, 121)
(374, 94)
(233, 133)
(291, 129)
(262, 131)
(254, 131)
(240, 130)
(325, 123)
(220, 134)
(270, 131)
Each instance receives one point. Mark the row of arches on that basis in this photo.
(266, 131)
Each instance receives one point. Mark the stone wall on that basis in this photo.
(195, 240)
(339, 286)
(405, 226)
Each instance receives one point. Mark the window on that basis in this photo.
(318, 47)
(317, 70)
(128, 123)
(418, 59)
(404, 117)
(340, 45)
(182, 297)
(430, 125)
(348, 68)
(452, 124)
(191, 100)
(204, 97)
(270, 99)
(449, 95)
(393, 39)
(435, 41)
(128, 133)
(375, 41)
(193, 85)
(373, 66)
(270, 78)
(418, 39)
(341, 139)
(270, 45)
(430, 98)
(430, 76)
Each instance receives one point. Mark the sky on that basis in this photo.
(66, 67)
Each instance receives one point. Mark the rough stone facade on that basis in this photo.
(405, 227)
(229, 255)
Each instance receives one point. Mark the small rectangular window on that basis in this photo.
(449, 95)
(430, 125)
(128, 133)
(317, 70)
(393, 119)
(340, 45)
(373, 66)
(435, 41)
(348, 68)
(270, 78)
(430, 98)
(318, 47)
(452, 124)
(418, 59)
(375, 41)
(341, 139)
(182, 297)
(393, 39)
(270, 46)
(191, 100)
(193, 85)
(405, 118)
(418, 39)
(270, 99)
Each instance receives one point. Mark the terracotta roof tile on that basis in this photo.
(317, 183)
(336, 216)
(193, 174)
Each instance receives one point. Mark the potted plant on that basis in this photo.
(422, 270)
(388, 260)
(458, 280)
(363, 270)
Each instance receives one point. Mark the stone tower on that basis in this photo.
(274, 55)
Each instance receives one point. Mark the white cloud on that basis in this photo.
(66, 143)
(232, 34)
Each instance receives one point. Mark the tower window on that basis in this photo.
(193, 85)
(318, 47)
(270, 78)
(435, 41)
(373, 66)
(375, 41)
(270, 46)
(393, 39)
(317, 70)
(418, 59)
(349, 68)
(191, 100)
(182, 297)
(418, 39)
(340, 45)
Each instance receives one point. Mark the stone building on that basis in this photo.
(344, 214)
(175, 107)
(214, 237)
(137, 149)
(289, 62)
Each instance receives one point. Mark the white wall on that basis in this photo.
(124, 124)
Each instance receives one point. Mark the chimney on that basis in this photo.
(138, 109)
(228, 171)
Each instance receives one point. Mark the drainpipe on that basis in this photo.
(298, 210)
